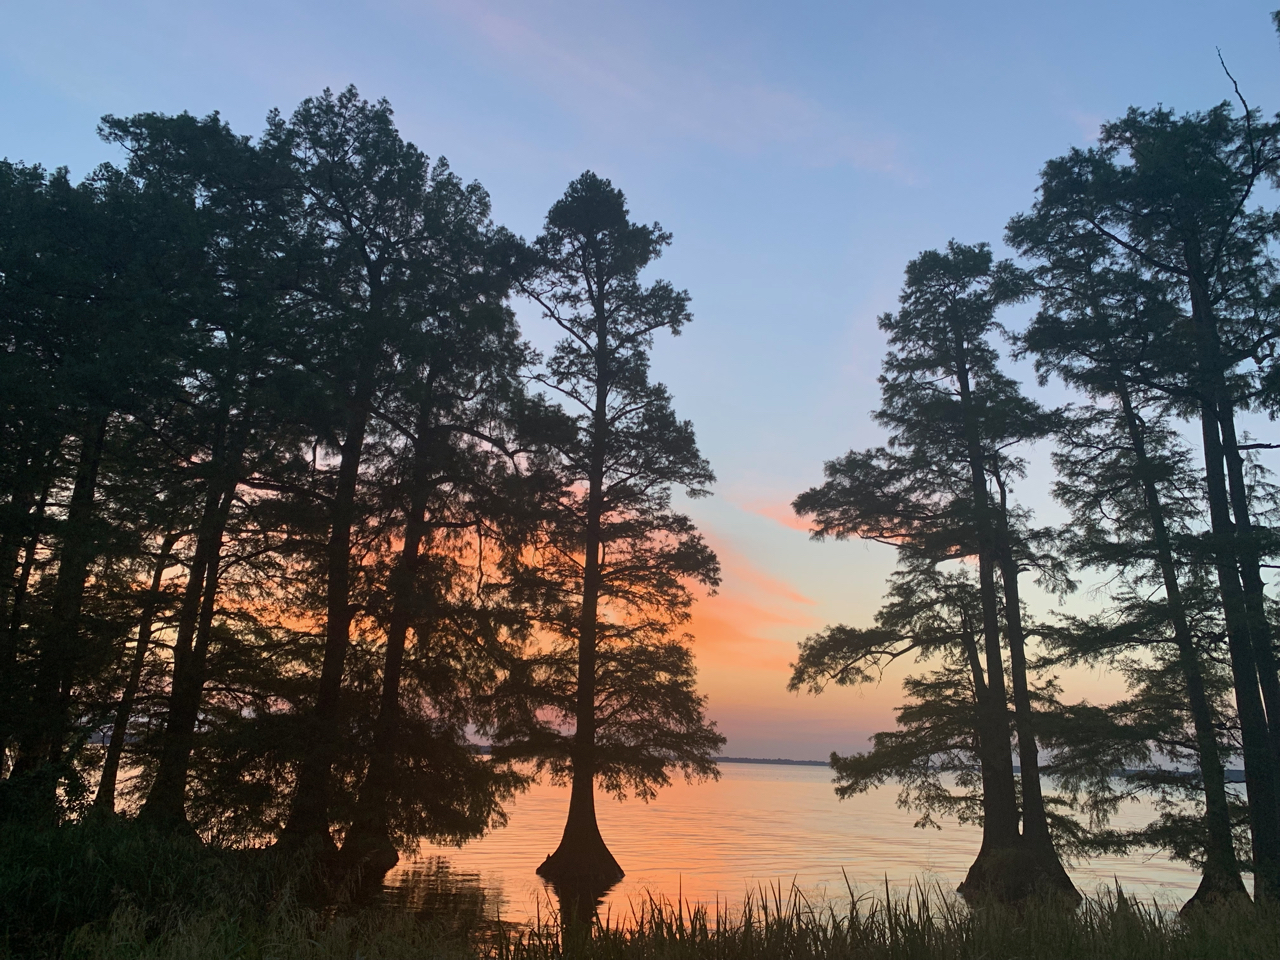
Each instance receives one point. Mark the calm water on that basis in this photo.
(760, 824)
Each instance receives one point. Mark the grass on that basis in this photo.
(918, 926)
(113, 892)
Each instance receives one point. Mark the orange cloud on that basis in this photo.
(733, 628)
(722, 642)
(777, 512)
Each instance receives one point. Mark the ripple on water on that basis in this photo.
(759, 825)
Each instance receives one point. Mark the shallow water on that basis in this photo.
(759, 825)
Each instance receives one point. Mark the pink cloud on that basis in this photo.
(777, 512)
(732, 628)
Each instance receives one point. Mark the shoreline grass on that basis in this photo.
(112, 892)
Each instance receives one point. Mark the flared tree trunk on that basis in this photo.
(40, 751)
(1259, 755)
(104, 801)
(999, 802)
(165, 806)
(1036, 839)
(308, 820)
(1001, 868)
(1260, 760)
(998, 857)
(582, 857)
(368, 843)
(1221, 877)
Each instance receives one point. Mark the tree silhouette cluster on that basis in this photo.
(1151, 259)
(291, 518)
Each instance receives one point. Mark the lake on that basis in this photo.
(760, 824)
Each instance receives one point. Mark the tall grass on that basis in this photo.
(921, 925)
(114, 892)
(288, 931)
(55, 882)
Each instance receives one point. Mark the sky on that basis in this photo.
(801, 153)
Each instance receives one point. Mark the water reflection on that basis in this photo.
(580, 899)
(757, 827)
(464, 901)
(431, 887)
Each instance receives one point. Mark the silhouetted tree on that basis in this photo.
(1172, 195)
(387, 242)
(1122, 473)
(457, 464)
(955, 418)
(616, 560)
(93, 284)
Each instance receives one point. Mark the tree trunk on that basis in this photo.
(1221, 877)
(309, 813)
(582, 868)
(11, 615)
(1036, 839)
(104, 802)
(1260, 761)
(1259, 755)
(165, 806)
(60, 651)
(1011, 866)
(998, 854)
(368, 842)
(991, 736)
(1250, 570)
(996, 869)
(582, 857)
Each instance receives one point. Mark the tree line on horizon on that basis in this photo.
(1151, 261)
(290, 514)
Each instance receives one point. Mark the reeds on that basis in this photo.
(117, 893)
(923, 924)
(919, 926)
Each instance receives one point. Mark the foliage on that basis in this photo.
(182, 905)
(280, 512)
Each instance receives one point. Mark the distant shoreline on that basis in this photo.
(777, 761)
(1232, 774)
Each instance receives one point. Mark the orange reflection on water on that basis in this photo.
(758, 825)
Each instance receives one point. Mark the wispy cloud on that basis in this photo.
(753, 621)
(777, 511)
(619, 88)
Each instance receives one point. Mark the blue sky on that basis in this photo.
(801, 153)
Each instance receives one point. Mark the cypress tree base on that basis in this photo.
(368, 852)
(1011, 874)
(1216, 888)
(308, 822)
(582, 857)
(294, 838)
(579, 899)
(162, 816)
(582, 870)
